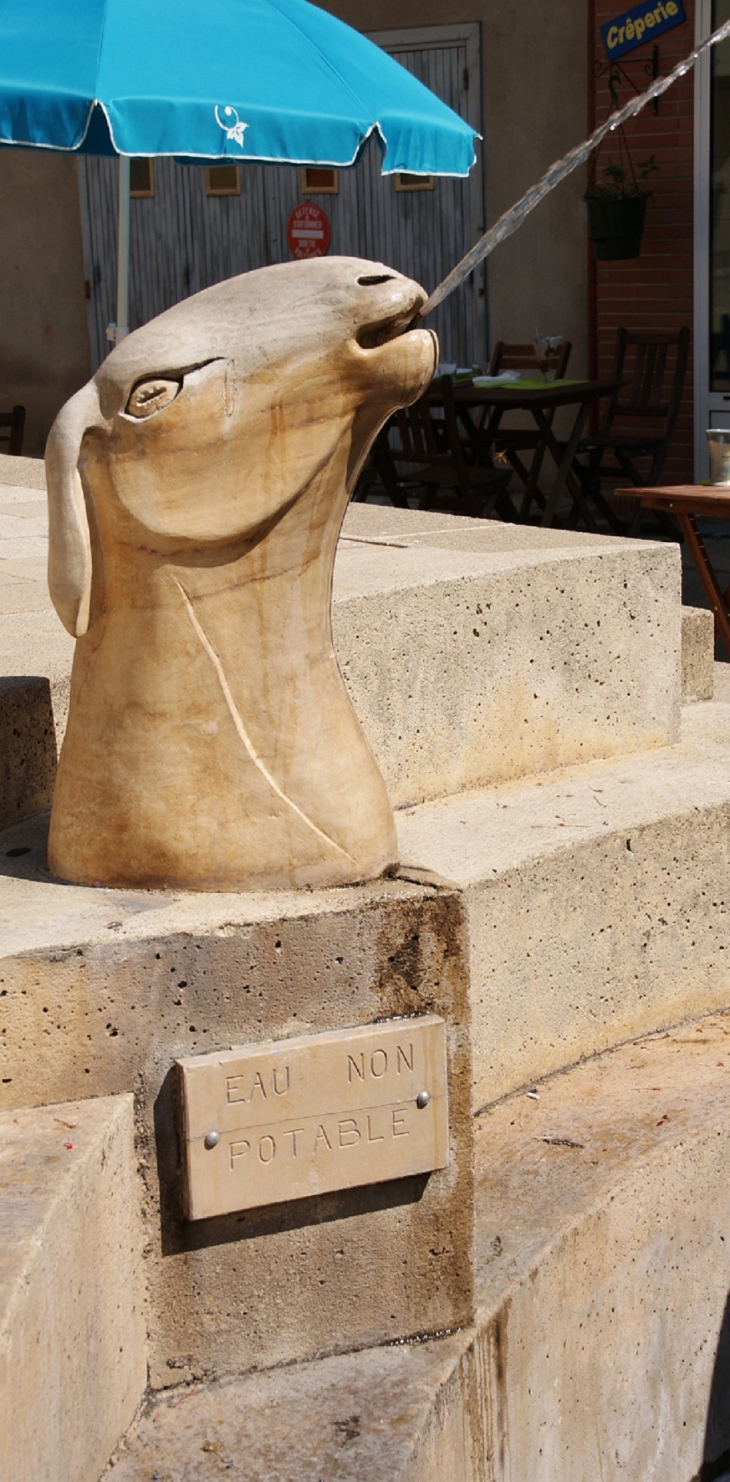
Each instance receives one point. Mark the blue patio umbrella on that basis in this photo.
(278, 81)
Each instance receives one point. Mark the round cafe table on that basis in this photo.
(541, 399)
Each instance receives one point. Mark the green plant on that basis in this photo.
(621, 184)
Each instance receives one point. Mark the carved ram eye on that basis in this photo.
(149, 397)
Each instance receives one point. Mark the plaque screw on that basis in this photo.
(422, 1099)
(212, 1139)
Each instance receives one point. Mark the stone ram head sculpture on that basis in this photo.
(196, 488)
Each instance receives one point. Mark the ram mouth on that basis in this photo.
(373, 335)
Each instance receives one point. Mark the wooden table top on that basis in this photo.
(549, 394)
(691, 499)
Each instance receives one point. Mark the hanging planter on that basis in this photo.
(615, 224)
(616, 210)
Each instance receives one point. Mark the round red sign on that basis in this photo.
(308, 231)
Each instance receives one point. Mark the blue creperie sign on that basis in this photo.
(642, 23)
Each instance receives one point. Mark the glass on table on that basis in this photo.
(718, 443)
(547, 354)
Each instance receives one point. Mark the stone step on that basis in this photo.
(698, 648)
(601, 1343)
(72, 1329)
(476, 651)
(102, 990)
(27, 747)
(27, 473)
(596, 898)
(545, 920)
(473, 651)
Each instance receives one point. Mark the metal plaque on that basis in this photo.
(289, 1118)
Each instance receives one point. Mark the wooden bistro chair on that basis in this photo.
(522, 358)
(424, 450)
(12, 427)
(650, 367)
(511, 442)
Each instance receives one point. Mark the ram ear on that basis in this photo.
(69, 545)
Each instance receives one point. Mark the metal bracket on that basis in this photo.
(617, 73)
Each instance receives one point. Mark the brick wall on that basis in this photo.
(653, 291)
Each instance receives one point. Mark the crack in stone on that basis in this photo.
(241, 729)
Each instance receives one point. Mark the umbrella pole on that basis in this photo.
(122, 326)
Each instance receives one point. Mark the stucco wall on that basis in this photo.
(535, 107)
(535, 103)
(44, 349)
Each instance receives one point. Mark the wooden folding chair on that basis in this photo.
(425, 450)
(650, 367)
(12, 427)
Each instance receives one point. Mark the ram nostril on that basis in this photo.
(376, 278)
(152, 396)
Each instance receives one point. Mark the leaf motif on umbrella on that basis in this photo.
(231, 131)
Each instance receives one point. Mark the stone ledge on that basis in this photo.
(383, 1415)
(27, 748)
(578, 940)
(72, 1328)
(698, 654)
(596, 900)
(120, 984)
(601, 1340)
(473, 651)
(602, 1211)
(476, 652)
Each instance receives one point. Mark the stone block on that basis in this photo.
(72, 1329)
(102, 991)
(476, 652)
(27, 748)
(602, 1339)
(608, 1353)
(721, 687)
(596, 901)
(585, 921)
(473, 652)
(698, 654)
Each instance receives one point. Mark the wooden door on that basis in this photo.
(183, 240)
